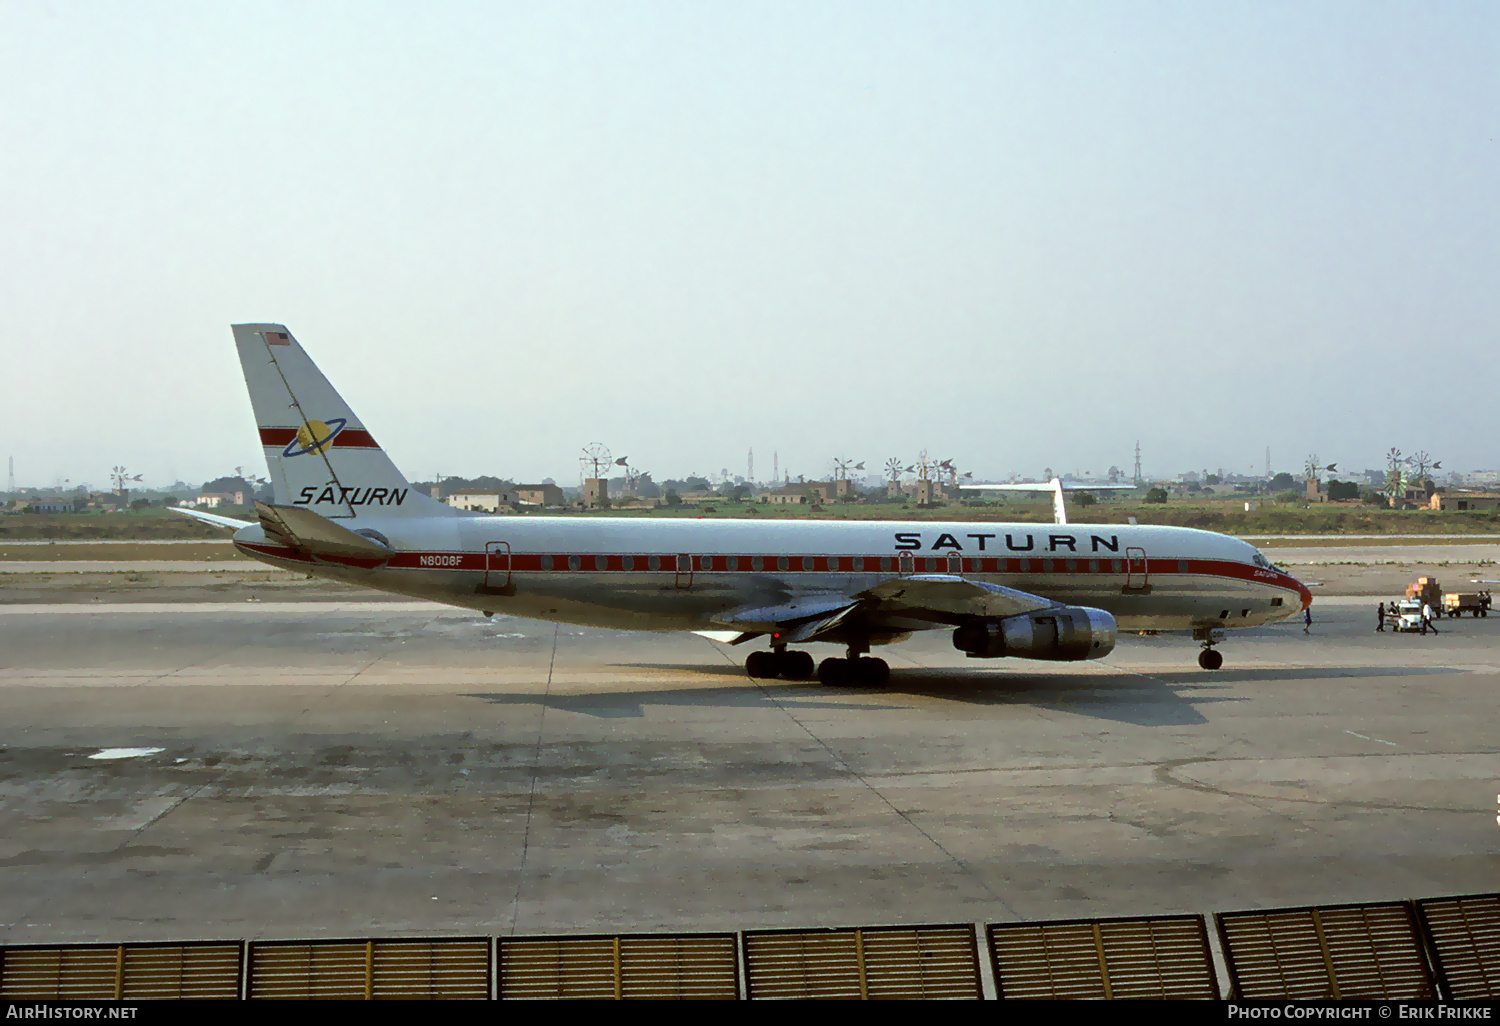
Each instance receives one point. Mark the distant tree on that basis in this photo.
(1374, 499)
(697, 484)
(222, 485)
(1085, 499)
(1194, 486)
(1290, 496)
(139, 503)
(672, 498)
(1281, 482)
(1212, 479)
(1156, 495)
(1343, 490)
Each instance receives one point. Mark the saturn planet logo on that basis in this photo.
(315, 437)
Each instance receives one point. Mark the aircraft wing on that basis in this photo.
(950, 596)
(897, 603)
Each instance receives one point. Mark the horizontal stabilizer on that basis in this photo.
(306, 531)
(211, 518)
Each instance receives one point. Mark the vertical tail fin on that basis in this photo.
(319, 453)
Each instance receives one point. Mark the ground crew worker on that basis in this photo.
(1307, 620)
(1380, 617)
(1427, 619)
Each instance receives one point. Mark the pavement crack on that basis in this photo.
(536, 769)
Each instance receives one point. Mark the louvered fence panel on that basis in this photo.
(1464, 936)
(1377, 952)
(874, 962)
(1327, 952)
(695, 966)
(815, 964)
(1046, 960)
(336, 970)
(927, 962)
(457, 969)
(1159, 957)
(132, 972)
(558, 967)
(83, 973)
(199, 972)
(1147, 957)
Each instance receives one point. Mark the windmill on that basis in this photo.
(630, 474)
(122, 479)
(894, 470)
(596, 460)
(841, 468)
(1394, 479)
(1421, 464)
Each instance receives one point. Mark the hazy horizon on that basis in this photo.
(1018, 236)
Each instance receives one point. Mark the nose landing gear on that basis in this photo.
(1210, 658)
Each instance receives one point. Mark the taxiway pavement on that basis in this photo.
(349, 769)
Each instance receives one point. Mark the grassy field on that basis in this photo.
(1226, 517)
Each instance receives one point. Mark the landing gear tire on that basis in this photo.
(761, 665)
(833, 672)
(795, 665)
(1210, 659)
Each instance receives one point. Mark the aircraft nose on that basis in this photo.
(1302, 590)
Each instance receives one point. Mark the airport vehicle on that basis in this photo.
(1408, 615)
(1475, 603)
(1053, 592)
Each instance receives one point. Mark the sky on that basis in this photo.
(1016, 235)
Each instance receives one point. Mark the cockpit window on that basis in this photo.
(1264, 563)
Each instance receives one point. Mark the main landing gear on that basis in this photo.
(1210, 658)
(780, 663)
(858, 669)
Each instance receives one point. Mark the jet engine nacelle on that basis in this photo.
(1062, 634)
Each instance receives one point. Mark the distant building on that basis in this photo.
(1483, 478)
(539, 495)
(1464, 501)
(791, 495)
(213, 499)
(480, 502)
(595, 492)
(50, 506)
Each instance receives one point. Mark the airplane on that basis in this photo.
(1059, 592)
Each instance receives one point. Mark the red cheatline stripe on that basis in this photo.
(531, 562)
(349, 438)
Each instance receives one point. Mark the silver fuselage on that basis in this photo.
(679, 574)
